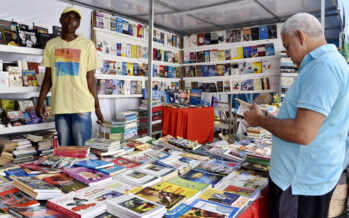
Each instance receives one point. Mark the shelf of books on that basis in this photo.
(21, 50)
(27, 128)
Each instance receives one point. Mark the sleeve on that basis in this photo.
(319, 89)
(92, 60)
(46, 60)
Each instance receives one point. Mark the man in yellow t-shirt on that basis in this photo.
(70, 62)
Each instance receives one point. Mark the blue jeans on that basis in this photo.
(73, 129)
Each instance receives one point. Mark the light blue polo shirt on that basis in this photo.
(322, 86)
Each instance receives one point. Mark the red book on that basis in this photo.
(125, 163)
(33, 66)
(72, 151)
(200, 40)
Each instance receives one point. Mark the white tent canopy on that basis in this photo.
(192, 16)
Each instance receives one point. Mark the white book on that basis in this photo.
(137, 178)
(4, 81)
(156, 170)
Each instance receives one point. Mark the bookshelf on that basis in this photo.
(12, 92)
(120, 96)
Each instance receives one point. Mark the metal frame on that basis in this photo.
(150, 68)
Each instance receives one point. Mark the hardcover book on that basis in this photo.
(87, 176)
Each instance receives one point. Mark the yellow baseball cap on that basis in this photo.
(69, 9)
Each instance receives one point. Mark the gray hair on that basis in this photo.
(304, 22)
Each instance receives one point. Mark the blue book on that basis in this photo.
(263, 32)
(112, 170)
(195, 96)
(17, 172)
(246, 50)
(118, 49)
(212, 70)
(215, 207)
(93, 164)
(124, 68)
(119, 25)
(202, 177)
(204, 70)
(269, 49)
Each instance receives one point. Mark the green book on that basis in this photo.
(190, 184)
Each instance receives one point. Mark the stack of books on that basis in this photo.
(113, 130)
(18, 150)
(104, 147)
(130, 120)
(255, 132)
(88, 176)
(156, 118)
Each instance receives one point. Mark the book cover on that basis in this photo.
(189, 193)
(9, 37)
(195, 96)
(112, 170)
(34, 184)
(220, 70)
(246, 51)
(184, 210)
(86, 175)
(94, 163)
(263, 32)
(246, 34)
(269, 49)
(255, 33)
(28, 38)
(261, 50)
(233, 36)
(202, 177)
(247, 85)
(125, 163)
(18, 198)
(218, 196)
(64, 182)
(215, 207)
(272, 31)
(207, 38)
(35, 212)
(201, 39)
(221, 55)
(168, 199)
(226, 86)
(219, 86)
(206, 56)
(189, 184)
(211, 70)
(267, 66)
(239, 190)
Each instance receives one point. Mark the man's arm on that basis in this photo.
(301, 130)
(45, 88)
(91, 82)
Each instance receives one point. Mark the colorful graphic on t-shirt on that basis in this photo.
(67, 62)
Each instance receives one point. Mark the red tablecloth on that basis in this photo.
(189, 123)
(258, 209)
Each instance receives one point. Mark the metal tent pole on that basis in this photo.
(150, 66)
(323, 15)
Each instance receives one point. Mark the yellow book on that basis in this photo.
(257, 66)
(129, 69)
(219, 196)
(134, 51)
(221, 55)
(190, 194)
(240, 53)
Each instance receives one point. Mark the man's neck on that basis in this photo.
(68, 36)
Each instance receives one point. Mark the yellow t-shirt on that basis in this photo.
(69, 63)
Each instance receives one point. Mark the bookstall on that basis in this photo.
(171, 75)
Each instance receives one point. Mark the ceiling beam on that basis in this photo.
(193, 9)
(267, 9)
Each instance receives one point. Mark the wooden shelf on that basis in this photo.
(27, 128)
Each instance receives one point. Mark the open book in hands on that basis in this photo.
(244, 106)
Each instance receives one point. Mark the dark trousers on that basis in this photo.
(282, 204)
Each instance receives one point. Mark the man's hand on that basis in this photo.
(40, 109)
(252, 116)
(99, 116)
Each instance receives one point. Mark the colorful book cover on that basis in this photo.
(212, 70)
(246, 34)
(112, 170)
(124, 68)
(94, 163)
(189, 184)
(272, 31)
(165, 198)
(239, 190)
(125, 163)
(226, 86)
(18, 198)
(195, 96)
(34, 184)
(220, 68)
(219, 196)
(221, 55)
(64, 182)
(184, 210)
(118, 68)
(206, 56)
(215, 207)
(86, 175)
(202, 177)
(173, 188)
(35, 212)
(247, 50)
(263, 32)
(233, 36)
(269, 49)
(129, 69)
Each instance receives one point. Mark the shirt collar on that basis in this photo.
(317, 53)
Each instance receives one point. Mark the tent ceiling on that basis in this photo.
(192, 16)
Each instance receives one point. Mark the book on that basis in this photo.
(263, 32)
(126, 163)
(135, 206)
(19, 199)
(184, 210)
(246, 34)
(219, 196)
(9, 37)
(112, 170)
(255, 33)
(88, 176)
(233, 36)
(28, 38)
(64, 182)
(34, 212)
(190, 184)
(137, 178)
(168, 199)
(215, 207)
(202, 177)
(160, 171)
(272, 31)
(94, 164)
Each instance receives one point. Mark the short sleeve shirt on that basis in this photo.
(322, 86)
(69, 63)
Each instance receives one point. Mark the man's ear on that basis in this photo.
(300, 35)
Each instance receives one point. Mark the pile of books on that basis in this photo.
(255, 132)
(130, 120)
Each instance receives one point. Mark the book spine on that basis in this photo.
(61, 209)
(10, 211)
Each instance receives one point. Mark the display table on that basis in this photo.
(189, 123)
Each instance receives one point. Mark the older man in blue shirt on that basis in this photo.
(310, 130)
